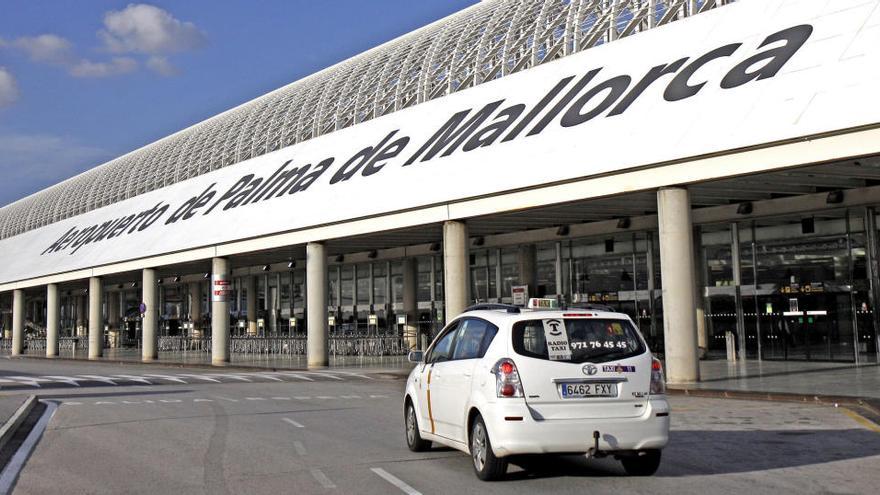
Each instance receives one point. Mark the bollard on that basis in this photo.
(731, 345)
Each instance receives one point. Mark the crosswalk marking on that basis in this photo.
(90, 380)
(166, 377)
(141, 402)
(65, 379)
(200, 377)
(136, 379)
(96, 378)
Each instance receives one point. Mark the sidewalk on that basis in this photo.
(790, 377)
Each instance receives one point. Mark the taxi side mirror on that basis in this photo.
(415, 356)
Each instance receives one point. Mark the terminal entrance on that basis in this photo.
(802, 291)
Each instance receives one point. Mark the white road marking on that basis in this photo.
(349, 396)
(349, 373)
(199, 377)
(324, 397)
(234, 377)
(299, 447)
(299, 376)
(32, 381)
(255, 398)
(266, 376)
(166, 377)
(96, 378)
(322, 478)
(394, 480)
(203, 400)
(294, 423)
(227, 398)
(71, 403)
(133, 378)
(325, 375)
(378, 396)
(64, 379)
(15, 465)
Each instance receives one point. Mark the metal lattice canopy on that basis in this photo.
(487, 41)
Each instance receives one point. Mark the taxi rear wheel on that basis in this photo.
(645, 463)
(486, 465)
(413, 438)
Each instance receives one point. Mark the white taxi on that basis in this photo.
(500, 381)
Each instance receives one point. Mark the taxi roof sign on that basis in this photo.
(543, 303)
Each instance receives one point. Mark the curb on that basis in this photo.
(869, 409)
(8, 430)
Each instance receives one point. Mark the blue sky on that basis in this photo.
(82, 82)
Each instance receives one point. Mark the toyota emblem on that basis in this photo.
(589, 369)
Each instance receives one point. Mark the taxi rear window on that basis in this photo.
(577, 340)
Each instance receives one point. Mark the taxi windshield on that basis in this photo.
(577, 340)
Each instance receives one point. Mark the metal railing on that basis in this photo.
(339, 345)
(39, 344)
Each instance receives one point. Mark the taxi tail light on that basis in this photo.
(658, 381)
(507, 383)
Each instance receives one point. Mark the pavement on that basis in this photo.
(794, 377)
(8, 405)
(345, 435)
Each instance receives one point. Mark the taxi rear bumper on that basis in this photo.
(513, 431)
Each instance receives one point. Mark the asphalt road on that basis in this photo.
(345, 435)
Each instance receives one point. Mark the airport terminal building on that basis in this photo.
(709, 167)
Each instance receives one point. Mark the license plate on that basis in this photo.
(581, 390)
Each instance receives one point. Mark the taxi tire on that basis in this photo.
(494, 468)
(415, 442)
(645, 463)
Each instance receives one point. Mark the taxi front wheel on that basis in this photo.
(486, 465)
(644, 463)
(413, 439)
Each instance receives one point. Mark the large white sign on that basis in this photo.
(754, 72)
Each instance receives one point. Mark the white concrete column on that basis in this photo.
(251, 305)
(17, 322)
(7, 324)
(80, 316)
(411, 302)
(150, 320)
(53, 319)
(527, 265)
(455, 268)
(316, 294)
(195, 308)
(96, 318)
(220, 311)
(677, 272)
(113, 318)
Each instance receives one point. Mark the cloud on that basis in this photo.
(161, 66)
(8, 88)
(142, 28)
(46, 48)
(116, 66)
(29, 163)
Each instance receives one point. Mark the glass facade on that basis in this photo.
(795, 287)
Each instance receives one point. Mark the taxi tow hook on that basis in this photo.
(594, 452)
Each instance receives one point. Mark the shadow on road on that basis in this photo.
(703, 452)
